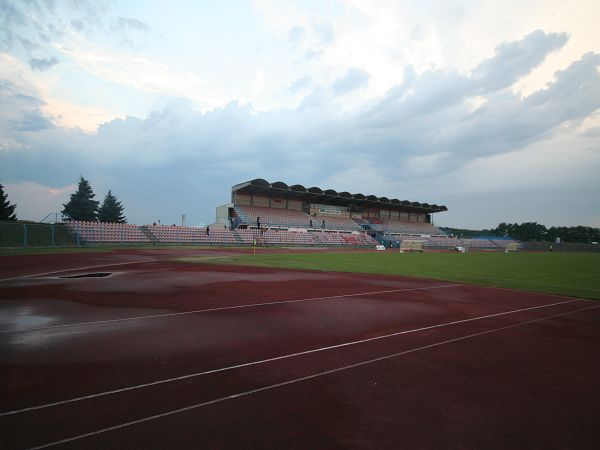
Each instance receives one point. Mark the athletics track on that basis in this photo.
(168, 355)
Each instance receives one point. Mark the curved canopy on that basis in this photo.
(315, 194)
(260, 182)
(298, 188)
(279, 185)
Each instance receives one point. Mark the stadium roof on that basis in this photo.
(330, 197)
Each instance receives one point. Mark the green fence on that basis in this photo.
(16, 234)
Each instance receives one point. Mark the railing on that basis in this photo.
(17, 234)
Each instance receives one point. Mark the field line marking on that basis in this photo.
(223, 308)
(548, 294)
(300, 379)
(77, 268)
(276, 358)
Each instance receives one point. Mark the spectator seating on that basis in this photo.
(192, 235)
(107, 232)
(97, 232)
(302, 238)
(270, 217)
(411, 228)
(275, 217)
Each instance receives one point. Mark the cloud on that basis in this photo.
(296, 34)
(423, 140)
(324, 33)
(142, 73)
(353, 79)
(514, 60)
(41, 64)
(78, 25)
(129, 23)
(32, 121)
(299, 85)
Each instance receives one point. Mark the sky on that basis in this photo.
(489, 108)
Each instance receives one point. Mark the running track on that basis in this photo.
(170, 355)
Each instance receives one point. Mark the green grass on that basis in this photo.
(571, 274)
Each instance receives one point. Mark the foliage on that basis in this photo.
(533, 231)
(465, 233)
(7, 211)
(82, 205)
(111, 210)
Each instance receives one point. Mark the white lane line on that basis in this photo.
(223, 308)
(547, 294)
(298, 380)
(20, 277)
(276, 358)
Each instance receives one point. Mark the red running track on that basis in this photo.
(170, 355)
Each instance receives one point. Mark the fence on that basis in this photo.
(562, 247)
(16, 234)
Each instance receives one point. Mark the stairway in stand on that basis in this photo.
(149, 234)
(237, 237)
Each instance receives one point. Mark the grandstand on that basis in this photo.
(258, 203)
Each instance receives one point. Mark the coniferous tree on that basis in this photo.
(111, 210)
(7, 211)
(82, 205)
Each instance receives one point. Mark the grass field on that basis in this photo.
(572, 274)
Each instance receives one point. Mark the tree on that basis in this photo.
(7, 211)
(82, 205)
(111, 210)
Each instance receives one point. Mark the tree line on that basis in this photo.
(82, 206)
(533, 231)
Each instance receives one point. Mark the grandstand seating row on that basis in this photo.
(97, 232)
(107, 232)
(441, 242)
(283, 237)
(118, 233)
(271, 217)
(191, 235)
(408, 228)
